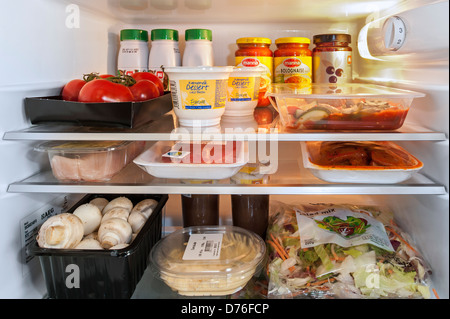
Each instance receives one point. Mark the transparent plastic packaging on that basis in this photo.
(196, 160)
(230, 258)
(325, 251)
(89, 161)
(346, 106)
(359, 162)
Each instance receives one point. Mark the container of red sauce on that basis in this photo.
(253, 52)
(293, 61)
(332, 58)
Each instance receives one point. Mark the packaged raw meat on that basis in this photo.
(341, 251)
(89, 161)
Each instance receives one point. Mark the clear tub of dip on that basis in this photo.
(208, 260)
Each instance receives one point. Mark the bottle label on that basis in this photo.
(332, 67)
(199, 94)
(265, 62)
(243, 89)
(293, 69)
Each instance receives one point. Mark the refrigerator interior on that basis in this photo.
(46, 43)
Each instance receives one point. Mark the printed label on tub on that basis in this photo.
(201, 94)
(243, 89)
(176, 154)
(203, 247)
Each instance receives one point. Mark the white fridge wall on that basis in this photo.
(50, 44)
(39, 53)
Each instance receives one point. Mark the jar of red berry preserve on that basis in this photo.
(332, 58)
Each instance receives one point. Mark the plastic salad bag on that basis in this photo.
(341, 251)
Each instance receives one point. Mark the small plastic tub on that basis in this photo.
(89, 161)
(243, 90)
(179, 160)
(346, 106)
(385, 162)
(199, 94)
(208, 260)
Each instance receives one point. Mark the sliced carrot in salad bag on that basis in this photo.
(341, 251)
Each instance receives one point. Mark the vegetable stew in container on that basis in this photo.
(359, 162)
(347, 106)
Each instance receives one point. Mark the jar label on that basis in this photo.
(332, 67)
(243, 89)
(266, 62)
(203, 247)
(293, 69)
(199, 94)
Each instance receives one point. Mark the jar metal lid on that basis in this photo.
(198, 34)
(164, 34)
(337, 37)
(293, 40)
(253, 40)
(133, 34)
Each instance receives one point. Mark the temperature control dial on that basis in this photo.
(394, 33)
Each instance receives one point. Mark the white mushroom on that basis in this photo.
(116, 212)
(114, 231)
(89, 243)
(61, 231)
(100, 202)
(118, 202)
(119, 246)
(93, 235)
(140, 213)
(90, 215)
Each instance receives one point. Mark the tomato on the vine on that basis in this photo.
(144, 90)
(105, 76)
(151, 77)
(71, 90)
(100, 90)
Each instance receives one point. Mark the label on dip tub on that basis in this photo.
(200, 94)
(203, 246)
(243, 89)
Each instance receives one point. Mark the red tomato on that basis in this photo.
(263, 115)
(71, 90)
(149, 76)
(144, 90)
(262, 100)
(100, 90)
(104, 76)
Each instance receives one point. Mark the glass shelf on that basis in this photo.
(290, 178)
(164, 130)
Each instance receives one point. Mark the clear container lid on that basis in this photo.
(81, 146)
(339, 91)
(208, 252)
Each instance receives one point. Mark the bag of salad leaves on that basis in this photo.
(341, 251)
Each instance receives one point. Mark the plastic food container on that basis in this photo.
(188, 162)
(346, 106)
(403, 164)
(199, 93)
(52, 109)
(103, 274)
(243, 90)
(89, 161)
(208, 260)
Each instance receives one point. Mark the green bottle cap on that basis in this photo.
(164, 34)
(133, 34)
(198, 34)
